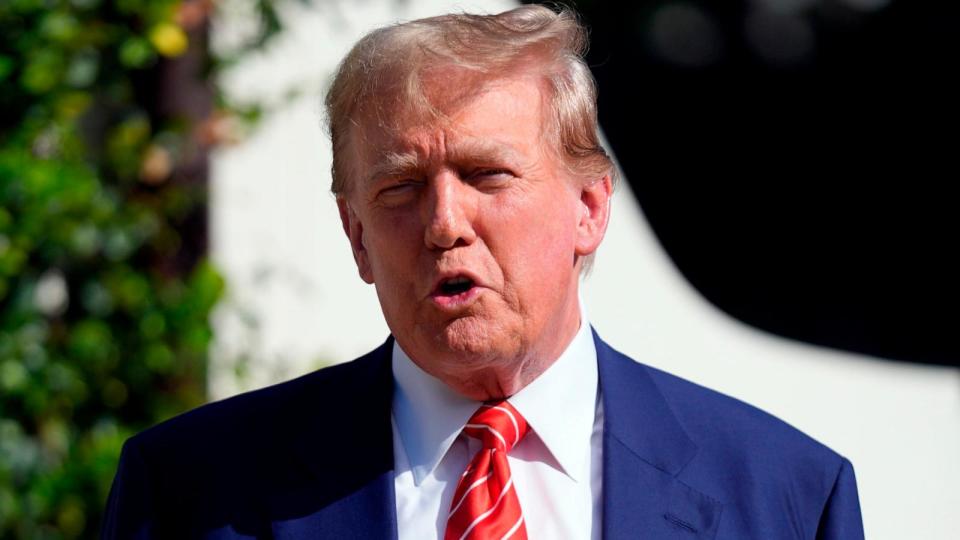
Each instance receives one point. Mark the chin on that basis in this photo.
(473, 340)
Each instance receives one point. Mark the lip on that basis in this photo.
(449, 302)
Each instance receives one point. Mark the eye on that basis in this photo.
(397, 188)
(398, 192)
(487, 173)
(490, 177)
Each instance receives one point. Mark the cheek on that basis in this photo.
(554, 228)
(393, 271)
(536, 246)
(393, 245)
(391, 241)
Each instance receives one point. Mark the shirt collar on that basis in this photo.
(428, 414)
(559, 406)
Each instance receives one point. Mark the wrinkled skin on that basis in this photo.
(480, 197)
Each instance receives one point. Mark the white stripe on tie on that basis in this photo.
(484, 515)
(495, 432)
(512, 529)
(469, 489)
(516, 427)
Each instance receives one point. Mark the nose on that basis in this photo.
(449, 210)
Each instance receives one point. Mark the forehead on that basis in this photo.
(501, 118)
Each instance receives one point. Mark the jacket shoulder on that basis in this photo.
(265, 412)
(761, 466)
(748, 456)
(718, 421)
(230, 463)
(737, 443)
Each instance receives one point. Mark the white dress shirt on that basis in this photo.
(556, 468)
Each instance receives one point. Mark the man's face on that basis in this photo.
(471, 230)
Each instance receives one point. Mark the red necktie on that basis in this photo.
(485, 504)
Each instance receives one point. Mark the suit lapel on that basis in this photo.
(644, 449)
(348, 491)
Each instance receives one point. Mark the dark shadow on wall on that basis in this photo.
(796, 159)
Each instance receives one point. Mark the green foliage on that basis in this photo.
(102, 331)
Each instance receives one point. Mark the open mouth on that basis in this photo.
(455, 286)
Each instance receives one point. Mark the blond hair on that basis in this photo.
(383, 74)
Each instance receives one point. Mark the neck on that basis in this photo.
(506, 377)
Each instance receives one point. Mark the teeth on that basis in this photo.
(458, 281)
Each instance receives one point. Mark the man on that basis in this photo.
(474, 191)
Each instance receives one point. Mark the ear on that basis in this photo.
(354, 231)
(595, 207)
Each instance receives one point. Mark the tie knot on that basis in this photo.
(498, 425)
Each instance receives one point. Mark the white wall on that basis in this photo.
(295, 301)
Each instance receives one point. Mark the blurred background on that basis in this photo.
(785, 232)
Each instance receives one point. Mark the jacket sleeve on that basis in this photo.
(841, 515)
(128, 512)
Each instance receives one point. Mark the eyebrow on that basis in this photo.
(485, 150)
(469, 150)
(393, 164)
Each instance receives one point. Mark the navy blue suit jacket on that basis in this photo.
(313, 458)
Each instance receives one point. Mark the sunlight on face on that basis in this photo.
(469, 230)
